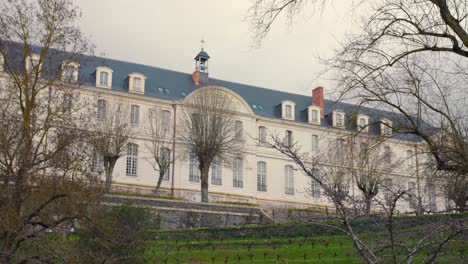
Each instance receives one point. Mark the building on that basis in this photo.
(258, 175)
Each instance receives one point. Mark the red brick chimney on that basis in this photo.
(317, 99)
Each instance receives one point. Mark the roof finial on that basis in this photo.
(202, 43)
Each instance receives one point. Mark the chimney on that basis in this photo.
(317, 99)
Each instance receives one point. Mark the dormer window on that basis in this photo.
(32, 63)
(104, 77)
(314, 115)
(70, 71)
(363, 123)
(288, 110)
(136, 83)
(338, 119)
(386, 127)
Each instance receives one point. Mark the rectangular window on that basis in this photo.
(194, 170)
(261, 176)
(166, 119)
(339, 120)
(315, 144)
(32, 64)
(340, 145)
(387, 191)
(101, 109)
(289, 179)
(315, 189)
(97, 163)
(314, 117)
(216, 171)
(288, 113)
(238, 129)
(132, 157)
(387, 154)
(67, 104)
(69, 73)
(289, 139)
(134, 115)
(432, 197)
(362, 123)
(237, 173)
(166, 161)
(262, 135)
(137, 84)
(104, 78)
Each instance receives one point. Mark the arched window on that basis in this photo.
(104, 77)
(136, 82)
(339, 119)
(261, 176)
(194, 171)
(289, 179)
(237, 173)
(132, 158)
(216, 171)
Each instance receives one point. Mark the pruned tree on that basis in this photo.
(207, 130)
(109, 136)
(43, 181)
(410, 58)
(158, 128)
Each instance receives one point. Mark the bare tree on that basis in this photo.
(334, 170)
(410, 59)
(109, 135)
(158, 128)
(43, 180)
(207, 130)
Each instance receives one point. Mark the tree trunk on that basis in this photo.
(204, 169)
(158, 184)
(109, 169)
(367, 206)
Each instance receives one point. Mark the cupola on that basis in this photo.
(200, 75)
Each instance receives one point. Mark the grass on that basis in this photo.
(323, 249)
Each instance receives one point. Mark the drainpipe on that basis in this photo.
(173, 149)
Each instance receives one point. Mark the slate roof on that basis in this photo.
(173, 85)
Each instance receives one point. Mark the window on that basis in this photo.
(237, 170)
(314, 117)
(70, 71)
(288, 113)
(261, 176)
(67, 104)
(314, 114)
(134, 115)
(132, 157)
(166, 158)
(287, 109)
(289, 179)
(289, 138)
(412, 195)
(363, 122)
(340, 145)
(32, 63)
(136, 82)
(262, 134)
(238, 129)
(194, 170)
(101, 109)
(409, 158)
(315, 144)
(315, 189)
(166, 119)
(104, 77)
(339, 119)
(387, 191)
(387, 154)
(97, 163)
(386, 127)
(216, 171)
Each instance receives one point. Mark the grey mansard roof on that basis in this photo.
(172, 85)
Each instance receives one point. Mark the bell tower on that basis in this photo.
(200, 75)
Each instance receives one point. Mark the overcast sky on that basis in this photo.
(167, 34)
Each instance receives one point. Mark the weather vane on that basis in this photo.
(202, 43)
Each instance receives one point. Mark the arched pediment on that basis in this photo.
(239, 104)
